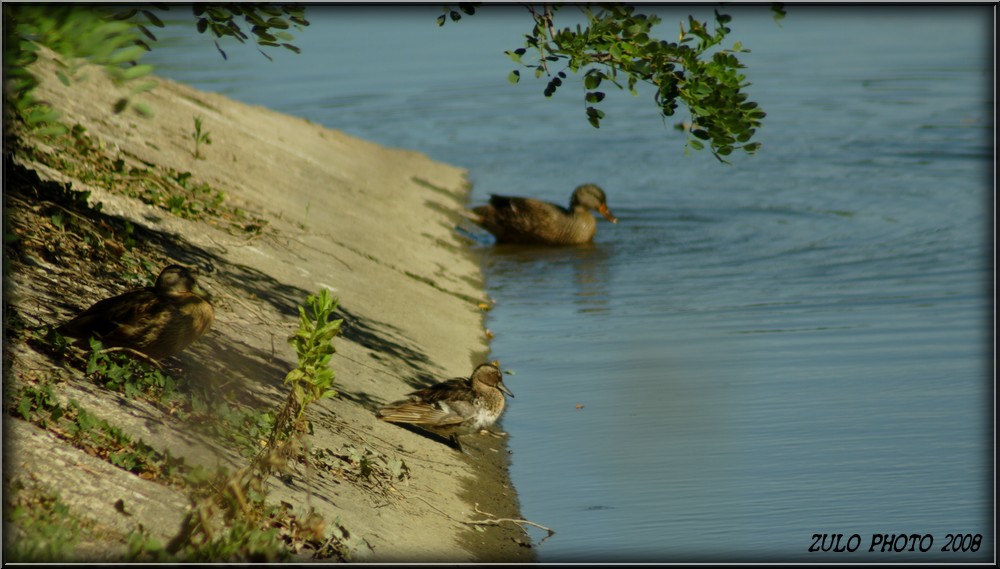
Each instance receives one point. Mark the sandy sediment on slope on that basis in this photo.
(374, 225)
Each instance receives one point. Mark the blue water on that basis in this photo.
(797, 343)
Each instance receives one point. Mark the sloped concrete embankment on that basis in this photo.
(374, 225)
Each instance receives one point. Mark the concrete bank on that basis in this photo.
(374, 225)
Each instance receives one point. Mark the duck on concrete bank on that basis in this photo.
(159, 321)
(454, 407)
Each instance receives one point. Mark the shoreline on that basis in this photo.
(302, 207)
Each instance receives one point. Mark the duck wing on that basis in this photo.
(106, 318)
(420, 413)
(522, 220)
(510, 205)
(444, 404)
(457, 389)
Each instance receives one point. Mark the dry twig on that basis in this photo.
(494, 521)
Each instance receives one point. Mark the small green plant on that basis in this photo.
(120, 372)
(243, 541)
(43, 529)
(312, 380)
(83, 157)
(240, 541)
(256, 532)
(142, 546)
(33, 399)
(247, 429)
(200, 138)
(87, 432)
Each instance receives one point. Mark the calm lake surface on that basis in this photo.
(798, 343)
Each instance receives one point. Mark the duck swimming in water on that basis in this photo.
(158, 321)
(531, 221)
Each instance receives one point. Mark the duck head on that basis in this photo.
(591, 196)
(489, 374)
(175, 280)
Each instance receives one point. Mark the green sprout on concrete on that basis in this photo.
(312, 380)
(200, 138)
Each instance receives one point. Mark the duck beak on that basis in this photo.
(503, 388)
(603, 208)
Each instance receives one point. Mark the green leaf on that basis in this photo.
(127, 54)
(51, 130)
(39, 115)
(143, 109)
(594, 117)
(137, 71)
(143, 87)
(294, 376)
(124, 15)
(153, 19)
(24, 408)
(778, 10)
(592, 81)
(278, 23)
(514, 76)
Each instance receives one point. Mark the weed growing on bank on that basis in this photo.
(44, 530)
(200, 138)
(230, 518)
(85, 158)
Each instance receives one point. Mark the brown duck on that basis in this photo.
(158, 321)
(527, 220)
(454, 407)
